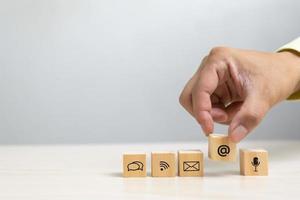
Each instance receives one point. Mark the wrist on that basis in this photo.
(291, 60)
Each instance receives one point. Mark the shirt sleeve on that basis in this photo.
(292, 46)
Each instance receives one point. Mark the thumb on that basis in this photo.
(247, 118)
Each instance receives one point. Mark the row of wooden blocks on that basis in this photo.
(191, 162)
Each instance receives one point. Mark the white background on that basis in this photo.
(81, 71)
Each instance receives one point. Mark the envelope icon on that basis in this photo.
(190, 166)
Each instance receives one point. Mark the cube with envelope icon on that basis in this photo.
(191, 166)
(190, 163)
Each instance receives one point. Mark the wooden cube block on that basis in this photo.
(190, 163)
(253, 162)
(163, 164)
(221, 148)
(134, 165)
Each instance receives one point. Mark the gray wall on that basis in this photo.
(78, 71)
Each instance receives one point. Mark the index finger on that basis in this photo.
(205, 86)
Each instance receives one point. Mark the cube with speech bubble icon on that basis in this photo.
(134, 165)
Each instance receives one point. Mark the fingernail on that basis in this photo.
(238, 133)
(206, 127)
(204, 130)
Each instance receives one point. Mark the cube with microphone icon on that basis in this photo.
(253, 162)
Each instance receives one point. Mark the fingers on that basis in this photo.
(185, 98)
(224, 90)
(249, 115)
(224, 94)
(229, 112)
(242, 117)
(218, 113)
(205, 85)
(195, 97)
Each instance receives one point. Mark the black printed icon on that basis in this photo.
(190, 166)
(163, 165)
(135, 166)
(223, 150)
(255, 163)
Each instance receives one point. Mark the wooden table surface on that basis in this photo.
(38, 172)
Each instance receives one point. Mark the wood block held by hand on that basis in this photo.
(253, 162)
(221, 148)
(163, 164)
(134, 165)
(190, 163)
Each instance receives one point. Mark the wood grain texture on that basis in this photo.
(163, 164)
(94, 172)
(190, 163)
(220, 148)
(134, 165)
(254, 162)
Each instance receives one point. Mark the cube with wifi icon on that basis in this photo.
(163, 164)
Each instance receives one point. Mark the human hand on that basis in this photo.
(238, 87)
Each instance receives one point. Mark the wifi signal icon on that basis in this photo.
(163, 165)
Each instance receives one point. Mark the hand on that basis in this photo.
(238, 87)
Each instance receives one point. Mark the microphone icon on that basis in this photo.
(255, 163)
